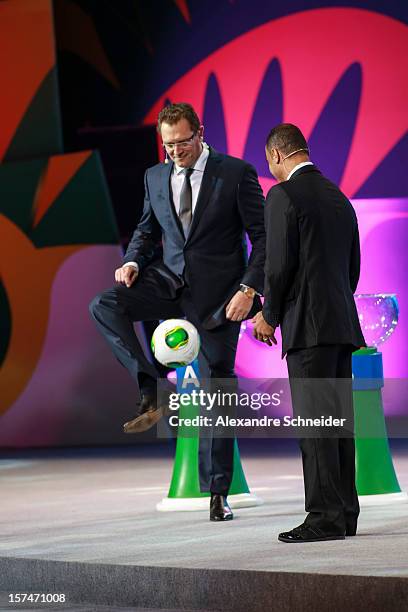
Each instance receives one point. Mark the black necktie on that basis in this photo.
(186, 202)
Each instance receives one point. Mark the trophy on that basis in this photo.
(378, 314)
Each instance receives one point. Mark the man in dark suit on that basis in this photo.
(311, 272)
(188, 257)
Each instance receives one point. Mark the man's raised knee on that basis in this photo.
(95, 304)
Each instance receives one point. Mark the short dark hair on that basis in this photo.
(287, 138)
(173, 113)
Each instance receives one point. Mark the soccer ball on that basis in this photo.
(175, 343)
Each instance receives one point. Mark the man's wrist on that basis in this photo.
(271, 318)
(132, 264)
(248, 291)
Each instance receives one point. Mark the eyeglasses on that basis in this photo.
(183, 144)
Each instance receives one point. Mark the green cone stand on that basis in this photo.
(376, 479)
(184, 493)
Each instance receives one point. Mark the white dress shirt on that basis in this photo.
(177, 179)
(308, 163)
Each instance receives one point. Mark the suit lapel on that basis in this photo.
(168, 199)
(207, 186)
(166, 173)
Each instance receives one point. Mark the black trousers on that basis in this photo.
(155, 296)
(328, 462)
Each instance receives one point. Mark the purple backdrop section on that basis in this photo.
(383, 227)
(79, 394)
(384, 239)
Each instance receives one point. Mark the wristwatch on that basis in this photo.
(249, 291)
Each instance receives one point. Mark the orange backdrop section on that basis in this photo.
(27, 54)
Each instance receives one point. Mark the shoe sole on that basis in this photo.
(220, 520)
(325, 539)
(143, 422)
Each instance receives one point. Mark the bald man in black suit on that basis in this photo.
(311, 272)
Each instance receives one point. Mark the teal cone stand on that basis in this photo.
(184, 492)
(376, 479)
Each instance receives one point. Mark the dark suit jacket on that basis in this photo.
(213, 260)
(312, 262)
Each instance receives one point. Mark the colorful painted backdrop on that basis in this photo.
(338, 72)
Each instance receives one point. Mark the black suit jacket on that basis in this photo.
(213, 260)
(312, 262)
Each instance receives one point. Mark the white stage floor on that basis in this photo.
(99, 507)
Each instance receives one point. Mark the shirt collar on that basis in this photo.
(308, 163)
(200, 163)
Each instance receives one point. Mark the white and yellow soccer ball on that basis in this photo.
(175, 343)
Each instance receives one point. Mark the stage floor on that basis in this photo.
(98, 506)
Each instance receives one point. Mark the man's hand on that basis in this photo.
(238, 307)
(126, 275)
(262, 330)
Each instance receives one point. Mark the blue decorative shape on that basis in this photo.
(332, 135)
(390, 178)
(213, 117)
(267, 114)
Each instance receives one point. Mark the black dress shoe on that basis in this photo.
(306, 533)
(219, 508)
(150, 414)
(351, 530)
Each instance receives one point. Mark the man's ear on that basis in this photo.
(269, 154)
